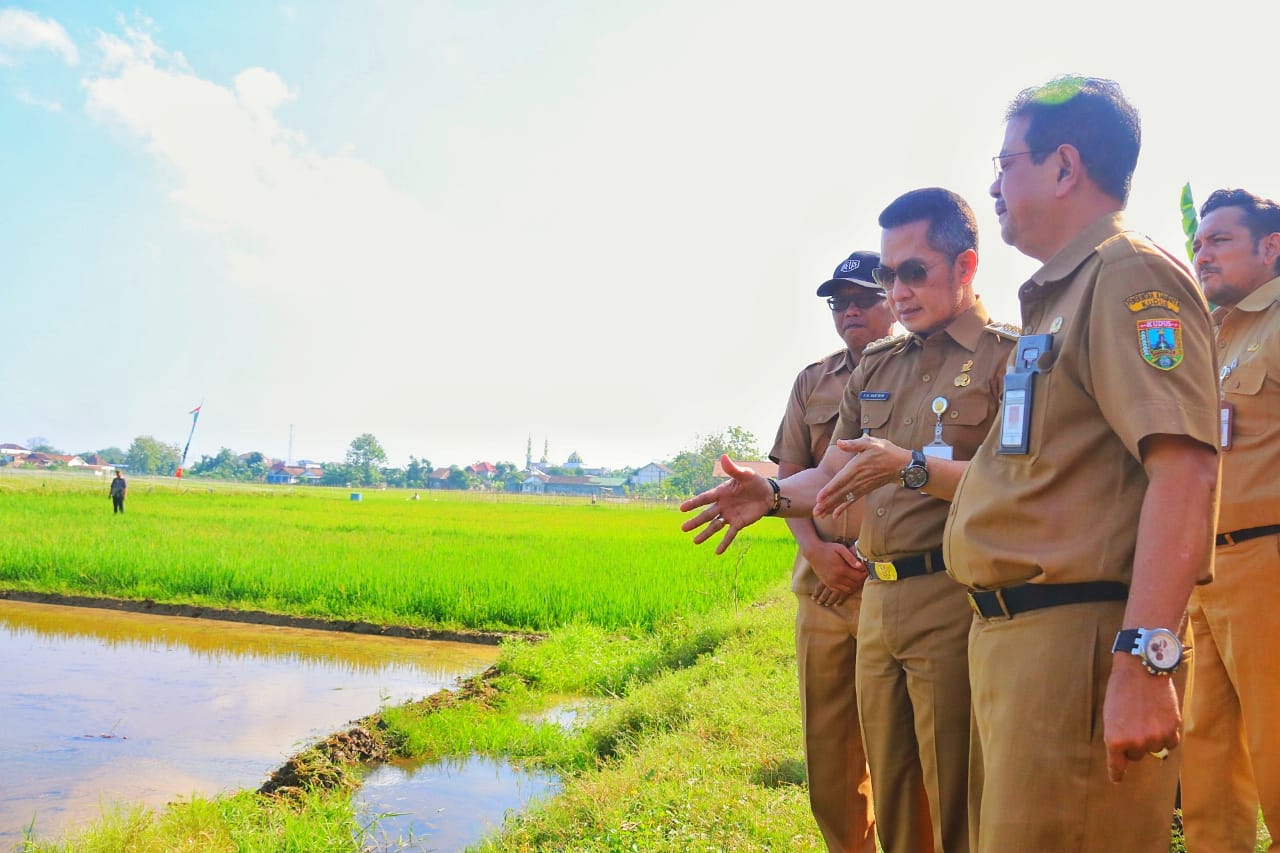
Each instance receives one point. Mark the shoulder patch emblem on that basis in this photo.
(883, 344)
(1153, 299)
(1160, 342)
(1008, 331)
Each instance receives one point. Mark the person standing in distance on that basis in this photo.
(827, 575)
(1233, 712)
(1084, 521)
(118, 488)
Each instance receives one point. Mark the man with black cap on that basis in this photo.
(827, 576)
(916, 410)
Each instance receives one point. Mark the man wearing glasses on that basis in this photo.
(1232, 732)
(827, 576)
(1087, 515)
(922, 403)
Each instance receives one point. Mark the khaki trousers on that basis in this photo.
(913, 702)
(1232, 743)
(839, 788)
(1039, 680)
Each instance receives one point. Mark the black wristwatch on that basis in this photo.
(916, 474)
(1159, 648)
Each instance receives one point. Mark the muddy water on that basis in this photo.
(100, 707)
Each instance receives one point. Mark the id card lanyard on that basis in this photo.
(938, 449)
(1226, 412)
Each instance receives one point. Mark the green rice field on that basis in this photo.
(450, 560)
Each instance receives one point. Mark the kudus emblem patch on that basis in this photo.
(1161, 343)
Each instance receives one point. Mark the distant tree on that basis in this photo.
(365, 457)
(417, 473)
(148, 455)
(38, 442)
(111, 455)
(338, 474)
(225, 465)
(460, 479)
(256, 465)
(691, 470)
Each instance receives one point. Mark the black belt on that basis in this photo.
(1004, 603)
(906, 567)
(1245, 535)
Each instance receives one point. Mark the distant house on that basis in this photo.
(538, 483)
(483, 470)
(761, 466)
(654, 472)
(438, 479)
(280, 474)
(36, 459)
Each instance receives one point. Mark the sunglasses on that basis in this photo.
(861, 300)
(910, 273)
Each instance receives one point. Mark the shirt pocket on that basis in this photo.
(875, 416)
(1243, 389)
(966, 423)
(820, 421)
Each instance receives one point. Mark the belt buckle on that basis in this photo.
(884, 571)
(1004, 608)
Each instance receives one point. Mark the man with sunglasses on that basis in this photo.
(827, 575)
(1086, 517)
(922, 403)
(1233, 711)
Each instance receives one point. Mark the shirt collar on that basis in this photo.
(842, 360)
(1261, 298)
(1081, 247)
(965, 329)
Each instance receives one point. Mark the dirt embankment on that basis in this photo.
(255, 617)
(329, 763)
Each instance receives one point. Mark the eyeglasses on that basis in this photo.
(862, 301)
(997, 162)
(910, 273)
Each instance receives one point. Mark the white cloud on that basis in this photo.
(24, 96)
(22, 31)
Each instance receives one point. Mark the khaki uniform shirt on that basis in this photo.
(804, 436)
(890, 396)
(1132, 356)
(1249, 352)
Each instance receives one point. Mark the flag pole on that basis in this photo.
(195, 416)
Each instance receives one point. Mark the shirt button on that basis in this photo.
(881, 511)
(954, 413)
(1222, 344)
(925, 378)
(908, 421)
(866, 418)
(1026, 330)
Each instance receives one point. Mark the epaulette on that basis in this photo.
(883, 344)
(1008, 331)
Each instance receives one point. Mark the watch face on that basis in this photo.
(1162, 650)
(914, 477)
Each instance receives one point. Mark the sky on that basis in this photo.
(464, 225)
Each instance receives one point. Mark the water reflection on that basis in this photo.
(445, 806)
(102, 706)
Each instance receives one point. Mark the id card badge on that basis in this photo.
(938, 449)
(1019, 390)
(1225, 424)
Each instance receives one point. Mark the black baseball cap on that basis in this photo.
(856, 269)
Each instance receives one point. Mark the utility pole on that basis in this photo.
(289, 458)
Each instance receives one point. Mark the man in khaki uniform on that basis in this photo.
(1233, 711)
(827, 576)
(1086, 517)
(923, 403)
